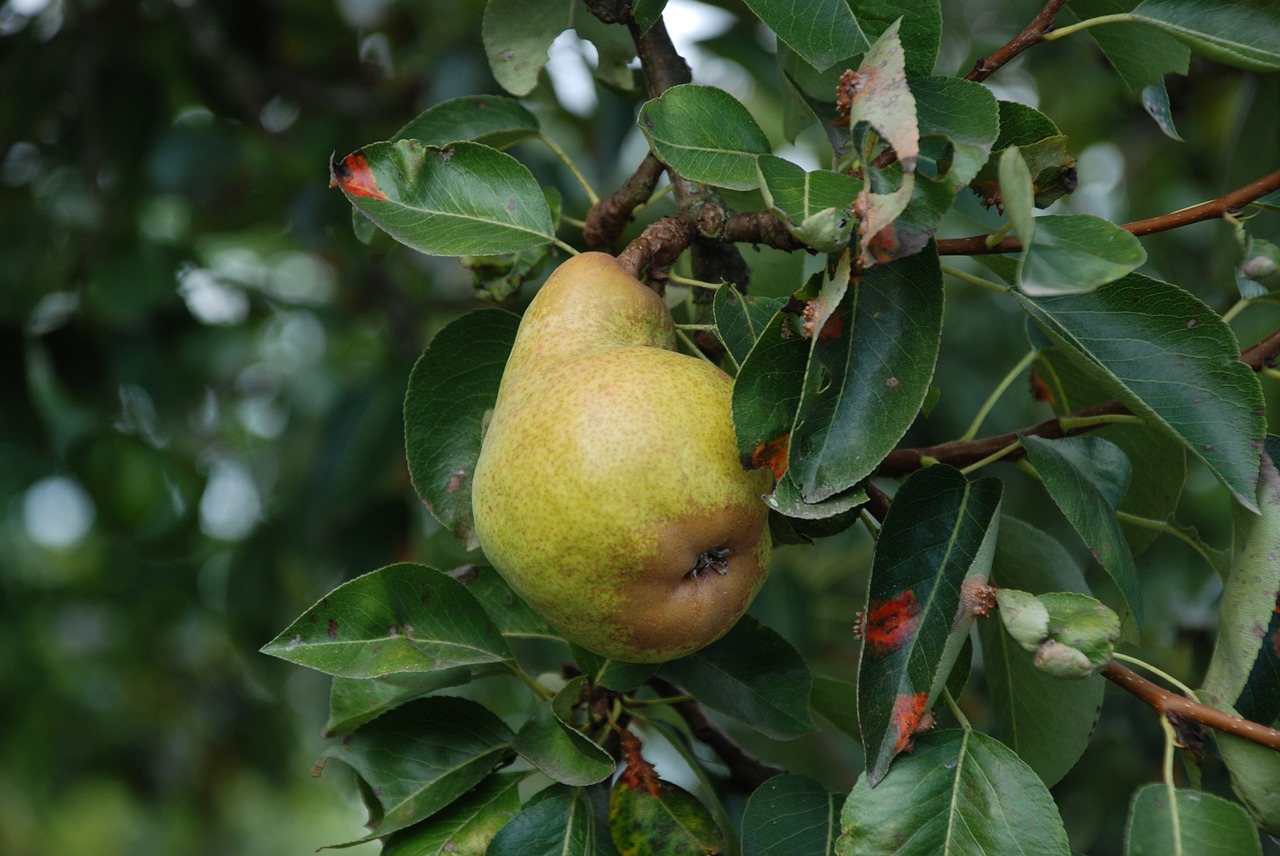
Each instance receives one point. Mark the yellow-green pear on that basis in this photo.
(608, 492)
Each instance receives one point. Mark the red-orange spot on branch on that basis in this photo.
(353, 175)
(639, 772)
(890, 624)
(908, 711)
(772, 454)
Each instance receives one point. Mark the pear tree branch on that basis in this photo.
(1228, 203)
(1178, 708)
(961, 453)
(1031, 35)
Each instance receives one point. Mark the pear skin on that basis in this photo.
(608, 491)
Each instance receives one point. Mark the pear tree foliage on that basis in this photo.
(996, 572)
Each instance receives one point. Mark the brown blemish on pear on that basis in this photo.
(608, 491)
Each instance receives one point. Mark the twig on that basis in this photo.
(608, 217)
(1174, 707)
(961, 453)
(747, 771)
(1229, 203)
(658, 245)
(1033, 34)
(1263, 354)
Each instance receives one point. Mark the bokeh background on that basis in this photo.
(201, 372)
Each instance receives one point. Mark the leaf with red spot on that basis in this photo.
(937, 541)
(657, 818)
(401, 618)
(453, 385)
(766, 392)
(959, 792)
(461, 199)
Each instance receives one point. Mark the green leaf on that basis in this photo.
(549, 741)
(1155, 100)
(453, 385)
(809, 95)
(933, 552)
(741, 319)
(401, 618)
(753, 675)
(467, 826)
(1042, 146)
(518, 33)
(1169, 358)
(767, 392)
(821, 31)
(1087, 477)
(1250, 598)
(422, 756)
(706, 135)
(957, 793)
(514, 618)
(1242, 33)
(1158, 460)
(493, 120)
(460, 200)
(612, 674)
(646, 13)
(1164, 819)
(355, 701)
(967, 115)
(1140, 55)
(870, 366)
(1255, 777)
(1016, 193)
(1076, 252)
(790, 816)
(787, 500)
(816, 207)
(958, 124)
(557, 826)
(671, 822)
(920, 33)
(1048, 722)
(614, 50)
(836, 701)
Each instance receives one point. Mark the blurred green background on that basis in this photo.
(201, 372)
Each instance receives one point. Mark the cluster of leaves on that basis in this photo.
(827, 384)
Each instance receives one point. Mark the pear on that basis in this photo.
(608, 491)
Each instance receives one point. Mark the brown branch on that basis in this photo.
(1263, 354)
(1174, 707)
(608, 217)
(747, 771)
(961, 453)
(660, 244)
(1033, 34)
(976, 245)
